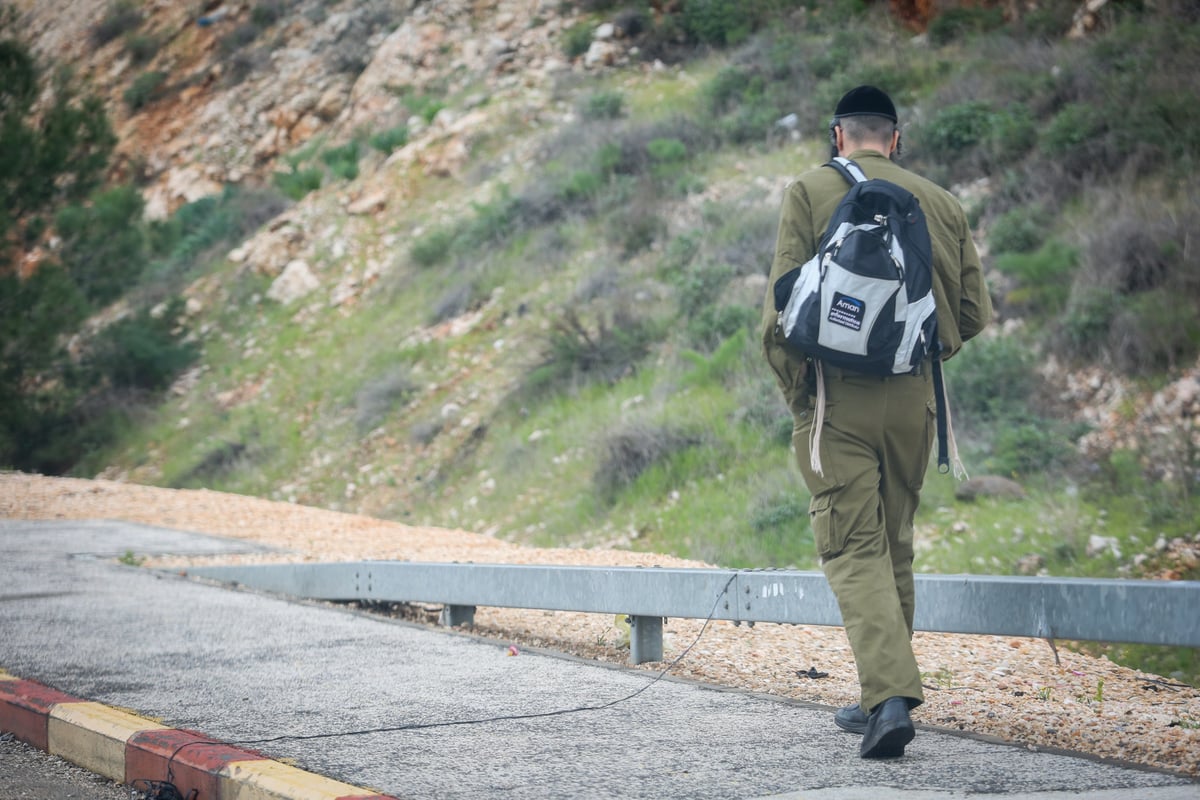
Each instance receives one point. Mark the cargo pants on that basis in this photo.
(874, 446)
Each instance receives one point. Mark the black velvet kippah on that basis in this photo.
(866, 100)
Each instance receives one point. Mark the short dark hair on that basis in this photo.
(864, 126)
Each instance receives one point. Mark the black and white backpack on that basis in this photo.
(865, 301)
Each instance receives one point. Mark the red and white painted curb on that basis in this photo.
(125, 748)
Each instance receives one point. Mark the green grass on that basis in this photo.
(729, 494)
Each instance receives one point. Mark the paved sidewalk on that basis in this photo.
(434, 714)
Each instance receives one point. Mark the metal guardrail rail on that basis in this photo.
(1135, 611)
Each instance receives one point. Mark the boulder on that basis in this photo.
(296, 281)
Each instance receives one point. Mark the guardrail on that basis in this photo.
(1137, 611)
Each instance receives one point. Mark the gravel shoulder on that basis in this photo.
(1015, 689)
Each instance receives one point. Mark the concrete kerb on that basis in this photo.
(126, 748)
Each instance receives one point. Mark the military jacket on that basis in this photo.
(963, 305)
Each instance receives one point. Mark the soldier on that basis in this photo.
(877, 432)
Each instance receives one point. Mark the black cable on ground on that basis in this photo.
(166, 790)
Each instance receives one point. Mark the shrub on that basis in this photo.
(992, 381)
(636, 228)
(343, 161)
(425, 106)
(577, 39)
(237, 39)
(142, 47)
(603, 105)
(1045, 275)
(1130, 299)
(144, 89)
(574, 353)
(457, 299)
(266, 13)
(144, 351)
(711, 325)
(1153, 331)
(298, 182)
(1019, 230)
(432, 248)
(631, 449)
(719, 22)
(1072, 127)
(391, 139)
(1031, 448)
(379, 396)
(956, 129)
(120, 17)
(699, 285)
(961, 23)
(103, 243)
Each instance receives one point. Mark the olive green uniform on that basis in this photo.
(877, 432)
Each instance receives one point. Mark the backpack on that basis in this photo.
(865, 301)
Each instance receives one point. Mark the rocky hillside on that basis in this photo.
(528, 200)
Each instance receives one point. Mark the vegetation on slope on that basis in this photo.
(571, 357)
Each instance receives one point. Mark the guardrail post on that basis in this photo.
(457, 615)
(645, 639)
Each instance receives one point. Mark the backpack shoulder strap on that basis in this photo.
(849, 170)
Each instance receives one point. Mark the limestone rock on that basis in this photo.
(296, 281)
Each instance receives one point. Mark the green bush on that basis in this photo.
(1072, 127)
(142, 352)
(296, 183)
(577, 39)
(142, 47)
(631, 449)
(575, 353)
(1153, 331)
(1045, 275)
(266, 13)
(1019, 230)
(1031, 448)
(120, 17)
(56, 155)
(1013, 134)
(991, 381)
(104, 244)
(390, 140)
(711, 325)
(961, 23)
(603, 105)
(432, 248)
(636, 228)
(343, 161)
(144, 89)
(956, 129)
(718, 22)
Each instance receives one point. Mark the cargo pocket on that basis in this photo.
(917, 475)
(829, 539)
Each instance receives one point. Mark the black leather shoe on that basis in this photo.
(852, 719)
(889, 729)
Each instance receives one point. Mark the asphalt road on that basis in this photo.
(414, 712)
